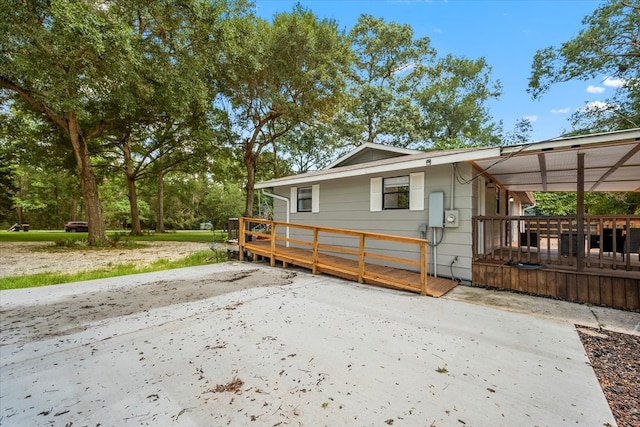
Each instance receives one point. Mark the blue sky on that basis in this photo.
(506, 32)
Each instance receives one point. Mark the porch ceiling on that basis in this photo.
(609, 166)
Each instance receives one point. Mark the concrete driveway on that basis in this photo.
(240, 344)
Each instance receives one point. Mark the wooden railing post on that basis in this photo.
(361, 260)
(423, 268)
(272, 260)
(314, 260)
(241, 239)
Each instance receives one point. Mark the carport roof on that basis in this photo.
(612, 163)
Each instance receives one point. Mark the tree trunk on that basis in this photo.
(74, 210)
(136, 229)
(19, 210)
(88, 182)
(250, 162)
(160, 207)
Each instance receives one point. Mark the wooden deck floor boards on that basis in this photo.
(348, 269)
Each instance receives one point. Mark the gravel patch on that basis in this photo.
(23, 258)
(615, 359)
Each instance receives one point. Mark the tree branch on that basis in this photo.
(33, 102)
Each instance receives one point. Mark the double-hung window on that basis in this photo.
(395, 192)
(304, 199)
(401, 192)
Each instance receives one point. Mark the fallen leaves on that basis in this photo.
(233, 386)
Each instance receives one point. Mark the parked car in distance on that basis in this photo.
(73, 226)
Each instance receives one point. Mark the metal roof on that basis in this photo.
(612, 163)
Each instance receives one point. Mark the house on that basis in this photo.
(392, 190)
(469, 204)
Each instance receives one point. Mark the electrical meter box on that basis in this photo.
(451, 218)
(436, 209)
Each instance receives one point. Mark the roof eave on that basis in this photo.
(401, 164)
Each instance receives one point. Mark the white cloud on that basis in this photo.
(595, 89)
(596, 106)
(609, 82)
(561, 110)
(532, 119)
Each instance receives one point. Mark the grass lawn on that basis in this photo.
(69, 239)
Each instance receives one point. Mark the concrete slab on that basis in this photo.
(315, 351)
(578, 314)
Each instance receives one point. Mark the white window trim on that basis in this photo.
(293, 205)
(315, 199)
(375, 202)
(416, 193)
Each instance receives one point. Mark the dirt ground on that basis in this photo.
(21, 258)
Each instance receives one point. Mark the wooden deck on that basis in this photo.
(348, 269)
(344, 262)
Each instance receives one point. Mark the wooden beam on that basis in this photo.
(272, 255)
(241, 238)
(615, 167)
(423, 268)
(361, 260)
(580, 213)
(542, 161)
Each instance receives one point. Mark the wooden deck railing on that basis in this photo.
(611, 241)
(268, 238)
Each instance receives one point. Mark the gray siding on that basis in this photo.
(345, 204)
(367, 156)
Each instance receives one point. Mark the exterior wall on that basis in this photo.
(345, 204)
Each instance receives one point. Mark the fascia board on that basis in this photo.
(392, 167)
(620, 136)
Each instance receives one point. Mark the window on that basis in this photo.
(304, 199)
(403, 192)
(395, 193)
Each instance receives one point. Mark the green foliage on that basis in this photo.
(388, 66)
(279, 75)
(453, 104)
(607, 47)
(595, 203)
(7, 190)
(556, 203)
(223, 202)
(520, 134)
(403, 95)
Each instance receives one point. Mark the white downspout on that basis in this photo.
(288, 202)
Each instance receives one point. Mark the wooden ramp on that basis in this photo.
(349, 269)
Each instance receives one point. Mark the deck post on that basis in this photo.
(241, 239)
(580, 214)
(361, 260)
(272, 261)
(314, 260)
(423, 268)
